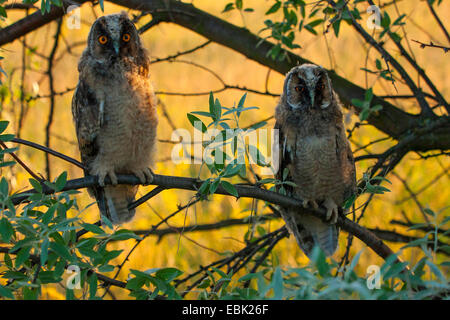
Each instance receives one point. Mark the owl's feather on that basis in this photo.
(114, 110)
(308, 231)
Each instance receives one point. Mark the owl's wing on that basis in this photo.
(285, 158)
(87, 113)
(87, 117)
(343, 148)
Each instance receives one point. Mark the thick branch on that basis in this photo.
(171, 182)
(34, 21)
(390, 119)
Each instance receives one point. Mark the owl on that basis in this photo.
(114, 111)
(314, 154)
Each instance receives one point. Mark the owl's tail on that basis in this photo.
(113, 202)
(310, 231)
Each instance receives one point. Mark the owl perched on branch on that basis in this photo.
(315, 151)
(114, 110)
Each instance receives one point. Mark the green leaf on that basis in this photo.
(336, 27)
(61, 181)
(44, 251)
(92, 285)
(106, 222)
(6, 292)
(3, 125)
(277, 284)
(168, 274)
(213, 187)
(204, 284)
(436, 271)
(398, 20)
(36, 185)
(257, 156)
(4, 188)
(48, 277)
(22, 256)
(93, 228)
(195, 122)
(124, 234)
(394, 270)
(386, 20)
(7, 164)
(310, 29)
(8, 261)
(231, 189)
(378, 64)
(217, 109)
(349, 202)
(6, 137)
(61, 250)
(228, 7)
(204, 188)
(353, 264)
(6, 230)
(203, 113)
(9, 150)
(3, 12)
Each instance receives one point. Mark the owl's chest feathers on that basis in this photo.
(129, 119)
(313, 156)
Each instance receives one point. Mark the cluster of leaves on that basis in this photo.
(237, 4)
(42, 243)
(40, 239)
(159, 282)
(384, 73)
(366, 106)
(320, 280)
(295, 18)
(224, 129)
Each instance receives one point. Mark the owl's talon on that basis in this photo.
(113, 177)
(101, 180)
(145, 175)
(310, 202)
(149, 174)
(102, 175)
(332, 210)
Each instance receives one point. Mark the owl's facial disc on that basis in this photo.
(297, 92)
(308, 87)
(115, 37)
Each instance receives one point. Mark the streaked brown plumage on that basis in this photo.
(315, 150)
(114, 110)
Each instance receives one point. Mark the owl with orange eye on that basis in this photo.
(114, 112)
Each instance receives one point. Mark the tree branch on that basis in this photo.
(244, 191)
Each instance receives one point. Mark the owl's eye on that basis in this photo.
(126, 37)
(102, 39)
(300, 89)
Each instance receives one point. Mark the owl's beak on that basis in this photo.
(116, 45)
(311, 95)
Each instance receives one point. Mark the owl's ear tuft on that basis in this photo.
(124, 14)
